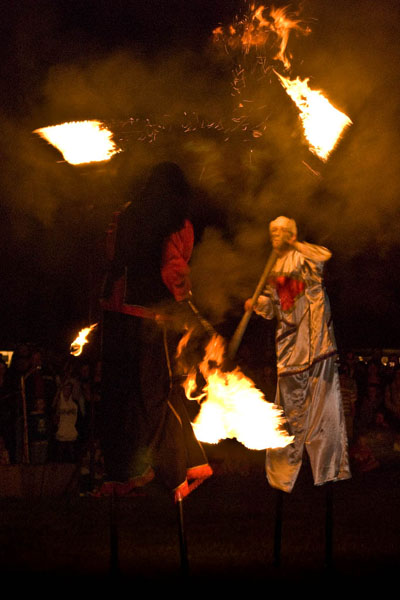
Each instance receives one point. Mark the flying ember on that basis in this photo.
(268, 30)
(81, 340)
(322, 123)
(232, 406)
(261, 27)
(81, 141)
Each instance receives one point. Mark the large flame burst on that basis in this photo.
(231, 406)
(81, 141)
(323, 124)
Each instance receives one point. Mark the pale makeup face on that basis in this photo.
(279, 237)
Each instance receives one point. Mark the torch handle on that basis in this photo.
(207, 326)
(241, 328)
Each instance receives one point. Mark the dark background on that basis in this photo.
(150, 71)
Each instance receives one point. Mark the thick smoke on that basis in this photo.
(248, 164)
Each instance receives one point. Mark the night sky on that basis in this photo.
(151, 72)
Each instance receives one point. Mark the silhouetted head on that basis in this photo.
(166, 194)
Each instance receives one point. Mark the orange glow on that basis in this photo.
(232, 407)
(268, 30)
(81, 141)
(323, 124)
(81, 340)
(260, 26)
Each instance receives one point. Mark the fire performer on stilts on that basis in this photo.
(146, 430)
(308, 383)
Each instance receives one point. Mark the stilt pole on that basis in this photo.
(114, 558)
(278, 528)
(182, 539)
(329, 526)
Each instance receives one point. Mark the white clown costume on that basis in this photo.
(308, 382)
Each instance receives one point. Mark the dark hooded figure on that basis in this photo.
(145, 428)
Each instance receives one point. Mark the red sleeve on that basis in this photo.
(175, 271)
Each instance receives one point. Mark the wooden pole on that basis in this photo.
(241, 328)
(329, 526)
(25, 455)
(278, 528)
(207, 326)
(182, 539)
(114, 558)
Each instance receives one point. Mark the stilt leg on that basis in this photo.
(182, 539)
(114, 559)
(278, 528)
(329, 526)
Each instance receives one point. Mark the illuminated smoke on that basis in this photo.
(251, 169)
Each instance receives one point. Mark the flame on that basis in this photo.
(268, 30)
(323, 124)
(81, 340)
(232, 407)
(81, 141)
(261, 26)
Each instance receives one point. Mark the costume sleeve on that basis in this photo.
(264, 306)
(313, 252)
(175, 271)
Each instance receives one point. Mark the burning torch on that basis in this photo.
(81, 340)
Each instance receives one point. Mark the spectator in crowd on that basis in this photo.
(4, 454)
(391, 368)
(67, 420)
(392, 405)
(39, 433)
(368, 381)
(348, 388)
(375, 388)
(7, 416)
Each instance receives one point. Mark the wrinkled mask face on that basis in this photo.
(281, 230)
(279, 237)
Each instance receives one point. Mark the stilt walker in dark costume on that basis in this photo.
(145, 428)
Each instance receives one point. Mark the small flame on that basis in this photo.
(232, 407)
(323, 124)
(81, 141)
(81, 340)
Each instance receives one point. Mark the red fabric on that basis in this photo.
(288, 290)
(174, 272)
(174, 266)
(195, 477)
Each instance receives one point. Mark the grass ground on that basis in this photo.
(229, 527)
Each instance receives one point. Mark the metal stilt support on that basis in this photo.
(329, 526)
(114, 554)
(182, 539)
(278, 528)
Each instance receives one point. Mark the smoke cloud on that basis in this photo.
(244, 153)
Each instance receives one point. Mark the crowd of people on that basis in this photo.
(48, 407)
(371, 399)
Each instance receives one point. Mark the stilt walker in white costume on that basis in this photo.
(308, 382)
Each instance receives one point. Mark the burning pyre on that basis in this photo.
(231, 406)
